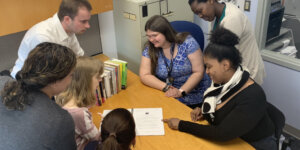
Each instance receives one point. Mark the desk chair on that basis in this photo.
(278, 119)
(192, 28)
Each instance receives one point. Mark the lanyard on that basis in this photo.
(170, 79)
(217, 22)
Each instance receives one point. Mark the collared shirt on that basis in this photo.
(50, 30)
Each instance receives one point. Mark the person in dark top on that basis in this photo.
(234, 105)
(29, 118)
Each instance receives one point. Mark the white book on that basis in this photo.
(113, 78)
(148, 121)
(117, 65)
(107, 79)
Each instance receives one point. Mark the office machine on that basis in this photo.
(275, 19)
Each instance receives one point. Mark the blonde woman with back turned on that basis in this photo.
(79, 96)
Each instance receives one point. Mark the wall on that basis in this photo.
(108, 38)
(205, 26)
(282, 89)
(9, 45)
(292, 7)
(252, 14)
(90, 41)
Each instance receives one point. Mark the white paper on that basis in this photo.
(289, 51)
(148, 121)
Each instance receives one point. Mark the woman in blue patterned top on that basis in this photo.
(173, 63)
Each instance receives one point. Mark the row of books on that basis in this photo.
(114, 79)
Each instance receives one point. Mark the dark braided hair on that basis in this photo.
(45, 64)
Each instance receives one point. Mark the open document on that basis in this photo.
(147, 120)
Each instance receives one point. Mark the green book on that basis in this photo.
(124, 72)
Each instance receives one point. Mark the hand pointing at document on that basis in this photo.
(172, 123)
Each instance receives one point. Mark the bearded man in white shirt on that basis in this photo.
(72, 18)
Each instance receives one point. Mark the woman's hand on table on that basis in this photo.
(173, 92)
(196, 114)
(172, 123)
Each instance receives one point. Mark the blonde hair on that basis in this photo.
(80, 88)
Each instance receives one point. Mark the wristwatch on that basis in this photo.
(183, 93)
(165, 89)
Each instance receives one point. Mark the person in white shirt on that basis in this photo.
(229, 16)
(72, 18)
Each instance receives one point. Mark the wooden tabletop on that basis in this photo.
(137, 95)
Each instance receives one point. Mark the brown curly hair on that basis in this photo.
(45, 64)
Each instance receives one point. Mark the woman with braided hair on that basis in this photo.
(29, 118)
(118, 130)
